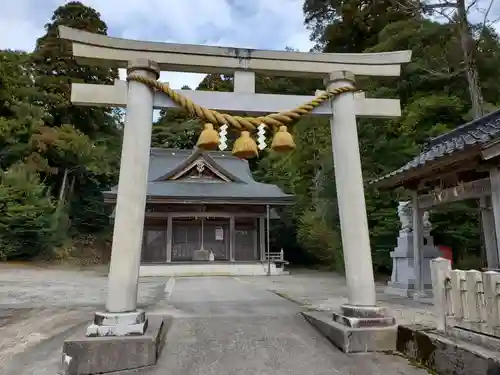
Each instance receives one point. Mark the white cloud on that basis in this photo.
(244, 23)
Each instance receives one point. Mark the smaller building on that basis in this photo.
(205, 214)
(463, 164)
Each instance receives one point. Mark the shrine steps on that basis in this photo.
(210, 269)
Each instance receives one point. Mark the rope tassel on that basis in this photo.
(245, 147)
(283, 140)
(209, 138)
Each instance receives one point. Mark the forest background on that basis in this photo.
(56, 159)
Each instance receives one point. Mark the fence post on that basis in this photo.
(458, 295)
(491, 281)
(440, 271)
(474, 306)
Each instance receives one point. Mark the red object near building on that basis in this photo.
(446, 252)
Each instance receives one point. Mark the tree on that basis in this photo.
(175, 129)
(73, 152)
(456, 13)
(20, 117)
(348, 26)
(352, 25)
(29, 221)
(94, 132)
(56, 69)
(434, 93)
(216, 82)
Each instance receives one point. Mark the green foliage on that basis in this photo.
(80, 144)
(69, 148)
(457, 225)
(29, 221)
(353, 25)
(88, 214)
(318, 238)
(216, 82)
(384, 225)
(56, 69)
(20, 117)
(435, 98)
(175, 129)
(56, 158)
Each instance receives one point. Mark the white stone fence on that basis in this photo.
(466, 299)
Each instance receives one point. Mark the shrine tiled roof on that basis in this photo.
(465, 137)
(242, 186)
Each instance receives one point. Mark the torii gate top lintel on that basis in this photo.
(93, 49)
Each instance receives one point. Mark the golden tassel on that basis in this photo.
(245, 147)
(209, 138)
(283, 140)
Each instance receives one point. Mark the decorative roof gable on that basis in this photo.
(199, 166)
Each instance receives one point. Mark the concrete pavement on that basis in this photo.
(327, 291)
(222, 325)
(228, 326)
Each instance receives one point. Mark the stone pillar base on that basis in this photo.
(359, 317)
(118, 324)
(84, 355)
(357, 329)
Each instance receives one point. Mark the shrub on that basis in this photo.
(30, 223)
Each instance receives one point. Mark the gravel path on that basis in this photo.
(39, 307)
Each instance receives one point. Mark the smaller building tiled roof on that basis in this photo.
(465, 137)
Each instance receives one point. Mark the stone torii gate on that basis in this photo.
(147, 59)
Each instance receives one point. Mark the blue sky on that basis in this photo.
(265, 24)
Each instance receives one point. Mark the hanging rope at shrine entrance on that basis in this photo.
(244, 147)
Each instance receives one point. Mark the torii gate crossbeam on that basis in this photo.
(94, 49)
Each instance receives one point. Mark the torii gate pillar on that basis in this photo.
(361, 325)
(122, 337)
(133, 181)
(350, 194)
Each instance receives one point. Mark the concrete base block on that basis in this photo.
(84, 355)
(360, 339)
(447, 355)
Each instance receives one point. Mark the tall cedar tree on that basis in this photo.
(352, 25)
(56, 69)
